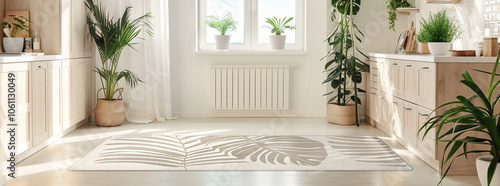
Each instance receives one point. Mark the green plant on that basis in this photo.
(392, 5)
(111, 37)
(222, 24)
(438, 28)
(18, 25)
(278, 26)
(344, 68)
(466, 117)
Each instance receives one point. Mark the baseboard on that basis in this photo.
(276, 114)
(35, 149)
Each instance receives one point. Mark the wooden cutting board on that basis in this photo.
(463, 53)
(24, 13)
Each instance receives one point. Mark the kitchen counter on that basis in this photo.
(435, 59)
(16, 59)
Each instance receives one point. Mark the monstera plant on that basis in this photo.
(343, 66)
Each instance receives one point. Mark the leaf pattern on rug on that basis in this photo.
(283, 150)
(366, 149)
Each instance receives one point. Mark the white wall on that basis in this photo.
(190, 70)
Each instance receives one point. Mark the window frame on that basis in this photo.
(251, 29)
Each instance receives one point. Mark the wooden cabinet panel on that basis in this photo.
(397, 78)
(411, 82)
(22, 72)
(385, 110)
(39, 94)
(374, 105)
(87, 89)
(384, 77)
(428, 144)
(427, 85)
(410, 112)
(374, 75)
(54, 97)
(398, 121)
(73, 92)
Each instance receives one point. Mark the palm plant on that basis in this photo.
(111, 37)
(278, 26)
(18, 25)
(222, 24)
(467, 117)
(345, 68)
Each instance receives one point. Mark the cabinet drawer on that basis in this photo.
(427, 145)
(411, 81)
(426, 85)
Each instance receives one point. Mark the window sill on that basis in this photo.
(252, 53)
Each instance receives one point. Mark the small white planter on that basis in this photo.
(277, 42)
(222, 42)
(482, 164)
(439, 48)
(13, 44)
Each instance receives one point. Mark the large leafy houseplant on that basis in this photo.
(392, 5)
(111, 37)
(343, 67)
(438, 28)
(19, 23)
(475, 114)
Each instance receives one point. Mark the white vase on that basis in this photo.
(222, 42)
(277, 42)
(482, 164)
(439, 48)
(13, 44)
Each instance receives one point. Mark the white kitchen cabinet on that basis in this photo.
(385, 111)
(54, 97)
(426, 85)
(22, 81)
(74, 92)
(39, 102)
(398, 121)
(428, 145)
(410, 122)
(374, 105)
(411, 82)
(396, 80)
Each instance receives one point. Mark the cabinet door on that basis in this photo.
(54, 97)
(411, 82)
(374, 75)
(385, 110)
(73, 92)
(374, 105)
(397, 78)
(410, 124)
(426, 145)
(73, 26)
(427, 85)
(384, 79)
(22, 79)
(398, 120)
(39, 94)
(87, 89)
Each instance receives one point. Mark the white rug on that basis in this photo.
(167, 152)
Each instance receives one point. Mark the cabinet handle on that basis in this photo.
(373, 93)
(406, 108)
(375, 75)
(423, 114)
(394, 102)
(425, 68)
(42, 66)
(408, 65)
(395, 64)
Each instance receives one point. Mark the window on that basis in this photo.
(251, 16)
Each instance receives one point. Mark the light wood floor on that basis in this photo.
(49, 166)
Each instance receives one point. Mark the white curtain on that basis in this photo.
(149, 101)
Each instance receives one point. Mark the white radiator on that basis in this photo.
(250, 87)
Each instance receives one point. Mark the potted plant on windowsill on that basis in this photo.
(223, 25)
(111, 37)
(12, 43)
(438, 31)
(343, 67)
(278, 26)
(475, 114)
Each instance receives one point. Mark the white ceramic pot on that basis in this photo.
(341, 115)
(482, 164)
(13, 44)
(439, 48)
(222, 42)
(277, 42)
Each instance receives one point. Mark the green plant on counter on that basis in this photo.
(222, 24)
(438, 28)
(111, 37)
(18, 25)
(466, 116)
(344, 69)
(392, 5)
(278, 26)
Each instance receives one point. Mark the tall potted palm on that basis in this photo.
(343, 67)
(111, 37)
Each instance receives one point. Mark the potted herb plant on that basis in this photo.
(12, 43)
(223, 25)
(111, 37)
(278, 27)
(392, 5)
(343, 67)
(475, 114)
(438, 31)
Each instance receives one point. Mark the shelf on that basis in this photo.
(443, 1)
(407, 11)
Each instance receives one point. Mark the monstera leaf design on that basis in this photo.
(168, 151)
(283, 150)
